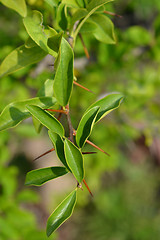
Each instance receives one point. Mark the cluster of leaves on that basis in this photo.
(73, 18)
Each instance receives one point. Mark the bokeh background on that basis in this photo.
(126, 186)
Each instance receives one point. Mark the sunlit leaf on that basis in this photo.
(71, 3)
(59, 147)
(40, 176)
(107, 104)
(15, 112)
(52, 3)
(61, 213)
(104, 30)
(74, 159)
(85, 126)
(34, 27)
(46, 119)
(63, 81)
(17, 5)
(20, 58)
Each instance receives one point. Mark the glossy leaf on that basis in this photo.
(34, 27)
(59, 147)
(63, 81)
(40, 176)
(107, 104)
(61, 213)
(45, 91)
(77, 16)
(15, 112)
(52, 3)
(61, 16)
(74, 159)
(17, 5)
(71, 3)
(85, 126)
(46, 119)
(104, 30)
(20, 58)
(91, 8)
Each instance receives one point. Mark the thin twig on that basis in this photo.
(88, 153)
(59, 111)
(113, 14)
(79, 85)
(70, 125)
(84, 46)
(95, 146)
(87, 187)
(51, 150)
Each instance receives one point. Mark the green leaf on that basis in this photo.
(17, 5)
(77, 16)
(107, 104)
(59, 147)
(52, 3)
(61, 17)
(63, 81)
(15, 112)
(45, 91)
(71, 3)
(91, 8)
(20, 58)
(88, 27)
(74, 159)
(104, 31)
(61, 213)
(40, 176)
(85, 126)
(55, 42)
(34, 27)
(46, 119)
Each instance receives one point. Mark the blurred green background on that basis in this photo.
(126, 186)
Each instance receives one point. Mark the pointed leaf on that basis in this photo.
(63, 81)
(59, 147)
(74, 159)
(107, 104)
(104, 31)
(61, 16)
(91, 8)
(15, 112)
(34, 27)
(85, 126)
(17, 5)
(61, 213)
(46, 119)
(20, 58)
(45, 91)
(40, 176)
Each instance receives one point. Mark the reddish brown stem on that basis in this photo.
(84, 46)
(79, 85)
(60, 115)
(88, 152)
(51, 150)
(113, 14)
(87, 187)
(95, 146)
(59, 111)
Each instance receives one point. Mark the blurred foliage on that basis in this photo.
(126, 185)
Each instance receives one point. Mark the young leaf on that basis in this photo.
(33, 25)
(45, 91)
(17, 5)
(61, 213)
(61, 16)
(107, 104)
(40, 176)
(46, 119)
(71, 3)
(104, 31)
(63, 81)
(52, 3)
(20, 58)
(15, 112)
(91, 8)
(74, 159)
(85, 126)
(59, 147)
